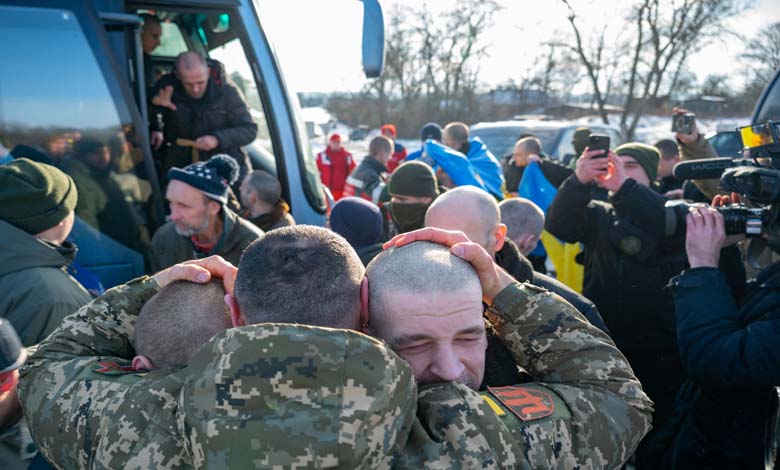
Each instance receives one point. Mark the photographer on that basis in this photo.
(626, 268)
(728, 347)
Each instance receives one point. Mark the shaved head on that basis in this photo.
(419, 268)
(455, 134)
(427, 304)
(469, 210)
(178, 320)
(193, 73)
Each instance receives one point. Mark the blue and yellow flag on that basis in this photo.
(534, 186)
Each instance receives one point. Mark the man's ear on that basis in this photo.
(142, 363)
(364, 307)
(500, 236)
(235, 313)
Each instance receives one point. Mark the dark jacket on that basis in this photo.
(729, 347)
(367, 181)
(626, 273)
(368, 252)
(35, 291)
(669, 183)
(555, 173)
(169, 248)
(221, 112)
(513, 262)
(279, 217)
(500, 369)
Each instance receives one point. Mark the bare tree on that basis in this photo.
(762, 53)
(665, 33)
(431, 65)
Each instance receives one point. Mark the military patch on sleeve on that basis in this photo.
(113, 368)
(527, 403)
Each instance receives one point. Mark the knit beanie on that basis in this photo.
(34, 196)
(646, 155)
(413, 179)
(213, 177)
(431, 131)
(390, 129)
(357, 220)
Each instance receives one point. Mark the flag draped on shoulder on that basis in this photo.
(537, 188)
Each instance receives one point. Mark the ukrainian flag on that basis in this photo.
(534, 186)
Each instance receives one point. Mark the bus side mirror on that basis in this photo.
(373, 39)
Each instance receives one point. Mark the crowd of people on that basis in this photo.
(419, 329)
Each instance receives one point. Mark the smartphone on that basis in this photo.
(683, 123)
(598, 142)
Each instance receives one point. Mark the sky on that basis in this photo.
(318, 42)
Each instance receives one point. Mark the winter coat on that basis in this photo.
(334, 169)
(699, 149)
(513, 262)
(729, 348)
(110, 416)
(221, 112)
(279, 217)
(398, 157)
(35, 291)
(367, 181)
(626, 273)
(169, 248)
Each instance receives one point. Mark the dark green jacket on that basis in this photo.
(169, 248)
(35, 291)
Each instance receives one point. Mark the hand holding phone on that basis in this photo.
(599, 142)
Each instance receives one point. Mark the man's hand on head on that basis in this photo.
(200, 271)
(492, 278)
(591, 165)
(206, 143)
(163, 98)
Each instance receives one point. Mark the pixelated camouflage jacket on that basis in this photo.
(455, 426)
(261, 396)
(586, 408)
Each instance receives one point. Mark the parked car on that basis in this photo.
(500, 137)
(359, 133)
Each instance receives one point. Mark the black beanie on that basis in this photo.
(357, 220)
(431, 131)
(413, 179)
(34, 196)
(213, 177)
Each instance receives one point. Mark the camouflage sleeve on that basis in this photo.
(698, 150)
(580, 365)
(63, 408)
(456, 429)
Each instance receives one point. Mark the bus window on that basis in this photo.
(58, 102)
(237, 69)
(172, 42)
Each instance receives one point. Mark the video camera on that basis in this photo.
(756, 177)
